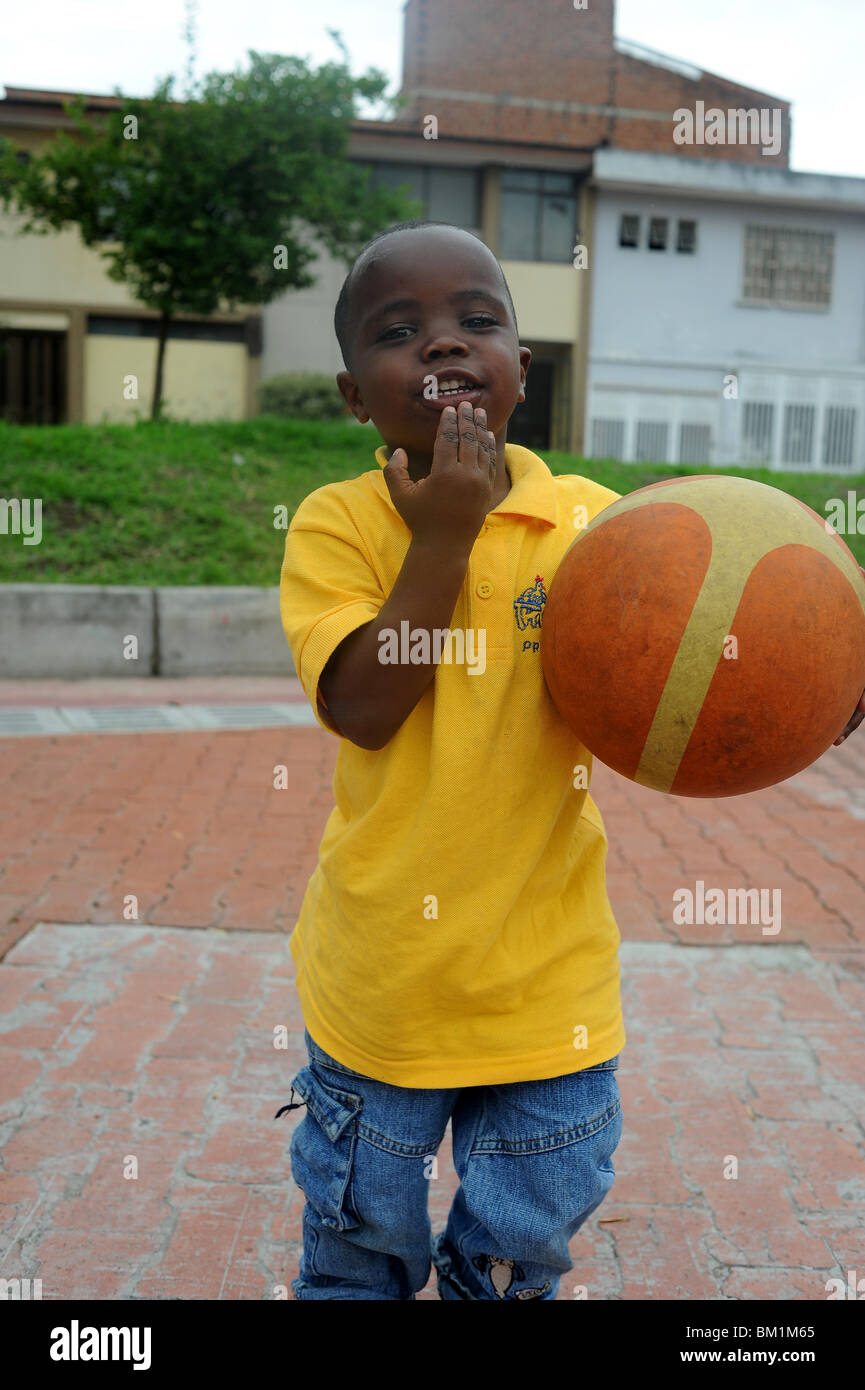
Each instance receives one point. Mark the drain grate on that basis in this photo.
(23, 721)
(255, 716)
(99, 718)
(31, 721)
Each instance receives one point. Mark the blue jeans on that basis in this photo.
(534, 1159)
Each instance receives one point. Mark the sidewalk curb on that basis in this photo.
(74, 631)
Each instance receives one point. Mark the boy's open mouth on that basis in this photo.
(454, 388)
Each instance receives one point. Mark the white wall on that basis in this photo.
(667, 328)
(689, 306)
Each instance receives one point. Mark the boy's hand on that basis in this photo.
(450, 504)
(857, 716)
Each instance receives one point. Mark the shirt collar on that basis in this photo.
(533, 488)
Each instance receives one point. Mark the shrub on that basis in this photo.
(303, 395)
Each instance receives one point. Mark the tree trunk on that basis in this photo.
(156, 406)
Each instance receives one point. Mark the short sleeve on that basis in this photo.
(328, 587)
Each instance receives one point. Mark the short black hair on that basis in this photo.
(343, 317)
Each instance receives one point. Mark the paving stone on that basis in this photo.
(153, 1037)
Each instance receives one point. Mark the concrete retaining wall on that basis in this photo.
(75, 631)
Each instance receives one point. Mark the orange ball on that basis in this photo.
(706, 636)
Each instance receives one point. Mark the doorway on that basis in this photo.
(531, 421)
(32, 376)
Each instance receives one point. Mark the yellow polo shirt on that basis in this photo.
(457, 930)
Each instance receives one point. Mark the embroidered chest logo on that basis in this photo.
(529, 608)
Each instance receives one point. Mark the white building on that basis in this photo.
(727, 318)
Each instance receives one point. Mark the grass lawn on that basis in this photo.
(194, 503)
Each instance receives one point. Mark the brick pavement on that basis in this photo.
(154, 1038)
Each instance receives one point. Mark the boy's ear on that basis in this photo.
(525, 362)
(348, 387)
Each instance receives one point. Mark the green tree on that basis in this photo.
(197, 205)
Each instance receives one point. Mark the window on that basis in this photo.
(757, 423)
(538, 216)
(608, 439)
(452, 196)
(658, 234)
(629, 230)
(686, 237)
(798, 444)
(839, 434)
(652, 437)
(117, 192)
(201, 330)
(695, 443)
(395, 175)
(786, 266)
(448, 194)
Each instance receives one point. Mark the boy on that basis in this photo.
(456, 953)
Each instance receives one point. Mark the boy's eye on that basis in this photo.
(483, 319)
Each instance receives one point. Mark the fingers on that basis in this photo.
(463, 438)
(447, 445)
(852, 726)
(396, 475)
(486, 440)
(468, 452)
(855, 719)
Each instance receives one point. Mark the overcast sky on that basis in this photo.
(806, 53)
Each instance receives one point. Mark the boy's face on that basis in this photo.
(455, 320)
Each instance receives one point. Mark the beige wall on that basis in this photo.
(34, 319)
(202, 381)
(64, 279)
(546, 298)
(56, 267)
(29, 138)
(298, 326)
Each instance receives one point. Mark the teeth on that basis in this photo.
(450, 388)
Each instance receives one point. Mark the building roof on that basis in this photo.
(724, 179)
(39, 109)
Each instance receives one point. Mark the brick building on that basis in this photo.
(541, 72)
(523, 94)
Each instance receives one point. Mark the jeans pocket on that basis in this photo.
(323, 1148)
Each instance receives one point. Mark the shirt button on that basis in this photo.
(484, 589)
